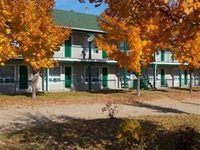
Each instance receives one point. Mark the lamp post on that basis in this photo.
(90, 39)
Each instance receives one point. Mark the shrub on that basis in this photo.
(135, 135)
(112, 110)
(185, 138)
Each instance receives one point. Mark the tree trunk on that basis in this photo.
(138, 86)
(34, 83)
(191, 81)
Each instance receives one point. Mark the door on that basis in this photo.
(162, 77)
(23, 77)
(68, 77)
(105, 77)
(68, 48)
(185, 77)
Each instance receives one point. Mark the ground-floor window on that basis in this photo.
(55, 74)
(7, 75)
(94, 74)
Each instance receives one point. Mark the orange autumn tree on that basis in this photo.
(138, 53)
(137, 24)
(185, 35)
(32, 34)
(7, 51)
(163, 24)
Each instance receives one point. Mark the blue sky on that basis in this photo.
(75, 5)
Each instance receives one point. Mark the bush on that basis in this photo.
(135, 135)
(185, 138)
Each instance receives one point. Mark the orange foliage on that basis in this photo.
(27, 30)
(150, 25)
(185, 34)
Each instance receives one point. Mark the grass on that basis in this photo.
(91, 134)
(113, 96)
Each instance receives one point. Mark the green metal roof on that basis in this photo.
(75, 20)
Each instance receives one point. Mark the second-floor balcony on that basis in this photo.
(79, 52)
(165, 57)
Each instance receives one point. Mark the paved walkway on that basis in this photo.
(16, 116)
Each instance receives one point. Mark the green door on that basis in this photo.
(162, 77)
(23, 77)
(68, 77)
(68, 47)
(105, 77)
(185, 77)
(104, 55)
(162, 55)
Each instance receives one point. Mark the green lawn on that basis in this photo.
(91, 134)
(113, 96)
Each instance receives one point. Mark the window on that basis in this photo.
(94, 74)
(121, 46)
(94, 47)
(54, 75)
(7, 75)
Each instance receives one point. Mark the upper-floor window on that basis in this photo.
(7, 75)
(123, 46)
(94, 48)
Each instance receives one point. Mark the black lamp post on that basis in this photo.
(90, 39)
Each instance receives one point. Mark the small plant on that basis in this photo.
(112, 110)
(185, 138)
(134, 135)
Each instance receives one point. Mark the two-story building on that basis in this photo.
(75, 71)
(82, 66)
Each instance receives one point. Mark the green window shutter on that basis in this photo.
(105, 77)
(68, 47)
(104, 55)
(68, 77)
(162, 55)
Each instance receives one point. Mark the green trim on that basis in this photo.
(68, 77)
(185, 77)
(68, 48)
(105, 77)
(104, 55)
(47, 79)
(162, 73)
(162, 55)
(23, 77)
(124, 71)
(154, 75)
(180, 77)
(124, 74)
